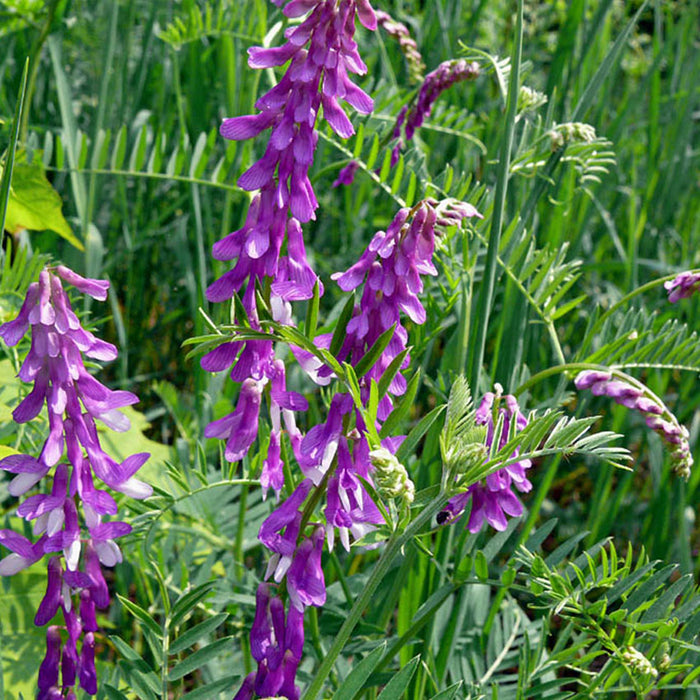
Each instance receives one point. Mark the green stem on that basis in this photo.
(381, 568)
(34, 70)
(635, 292)
(487, 289)
(558, 369)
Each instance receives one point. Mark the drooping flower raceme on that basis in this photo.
(70, 520)
(391, 269)
(436, 82)
(322, 54)
(493, 498)
(630, 393)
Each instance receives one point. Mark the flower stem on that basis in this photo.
(393, 548)
(487, 287)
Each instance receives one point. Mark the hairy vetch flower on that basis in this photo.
(493, 498)
(682, 286)
(435, 83)
(74, 401)
(627, 392)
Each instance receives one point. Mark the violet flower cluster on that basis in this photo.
(77, 546)
(493, 499)
(322, 54)
(629, 393)
(683, 286)
(336, 455)
(391, 270)
(410, 118)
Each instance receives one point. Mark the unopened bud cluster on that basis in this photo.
(391, 477)
(529, 99)
(571, 132)
(639, 662)
(656, 415)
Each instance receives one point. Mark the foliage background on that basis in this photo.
(124, 114)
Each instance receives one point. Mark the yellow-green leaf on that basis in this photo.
(35, 205)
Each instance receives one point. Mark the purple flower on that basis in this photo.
(493, 499)
(683, 286)
(24, 552)
(48, 671)
(305, 582)
(239, 428)
(288, 518)
(392, 268)
(435, 83)
(277, 647)
(629, 393)
(346, 176)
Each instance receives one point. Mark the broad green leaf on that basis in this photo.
(35, 205)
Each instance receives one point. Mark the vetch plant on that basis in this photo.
(72, 523)
(356, 524)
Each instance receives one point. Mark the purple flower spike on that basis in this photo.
(392, 268)
(657, 416)
(74, 400)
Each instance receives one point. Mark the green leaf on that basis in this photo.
(188, 638)
(142, 615)
(35, 205)
(369, 359)
(402, 410)
(341, 326)
(448, 693)
(188, 601)
(396, 687)
(311, 322)
(413, 438)
(112, 693)
(356, 679)
(211, 690)
(390, 372)
(199, 658)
